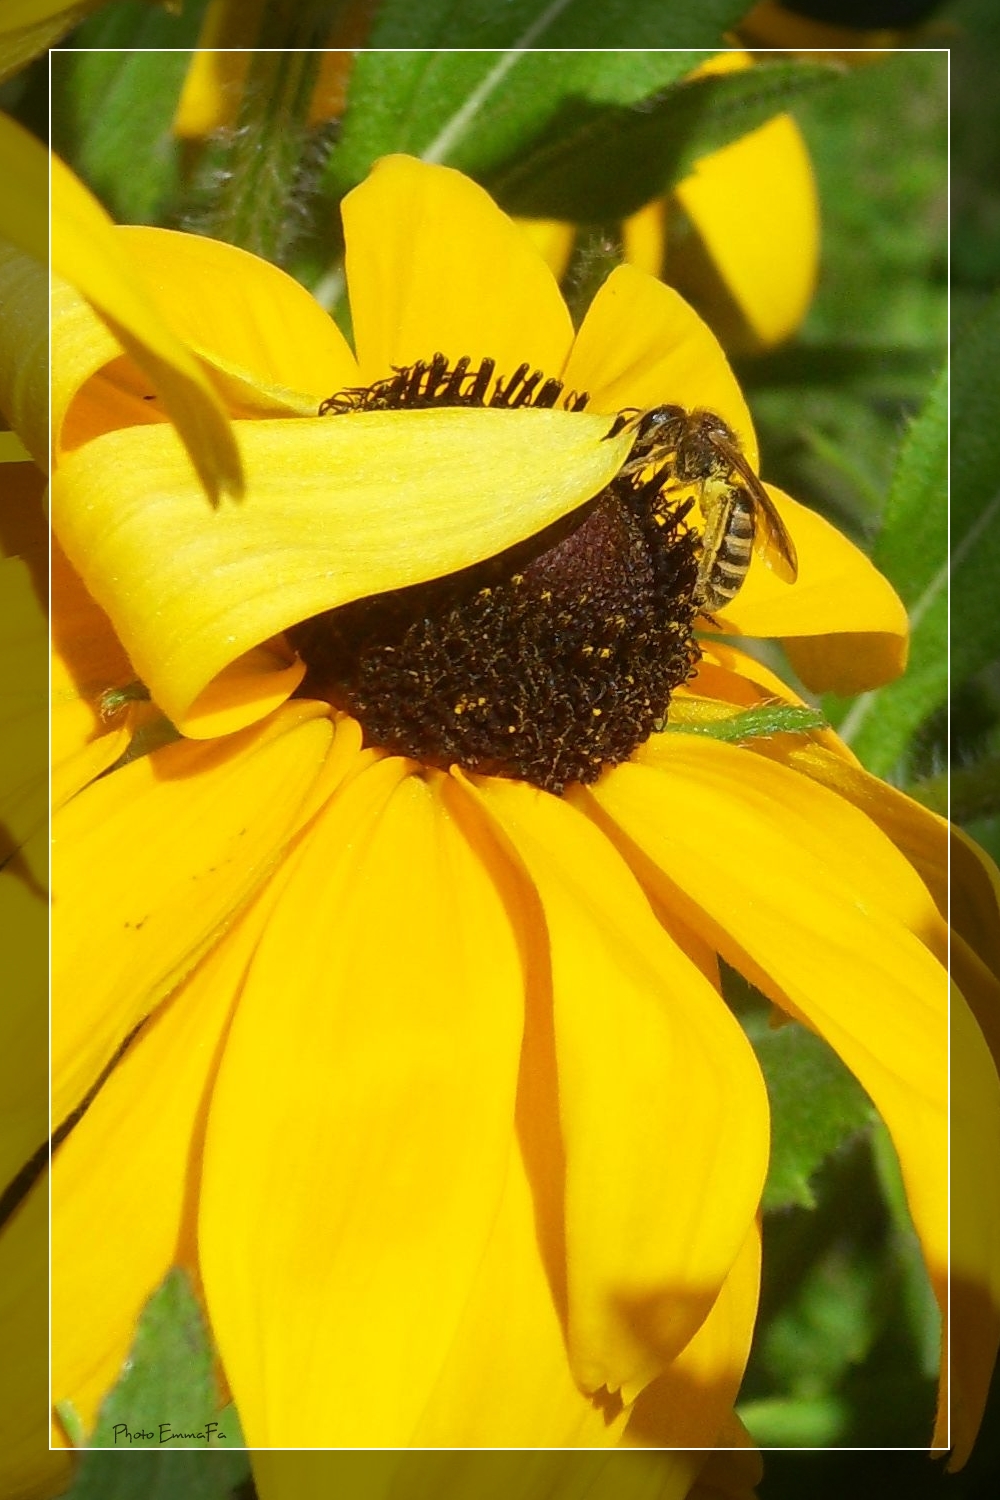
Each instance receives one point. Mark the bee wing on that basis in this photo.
(772, 543)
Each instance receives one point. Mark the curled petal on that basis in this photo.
(337, 508)
(243, 317)
(28, 27)
(87, 253)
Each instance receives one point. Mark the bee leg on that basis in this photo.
(716, 503)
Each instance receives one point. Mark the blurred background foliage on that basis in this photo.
(852, 415)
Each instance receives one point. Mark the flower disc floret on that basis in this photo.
(546, 663)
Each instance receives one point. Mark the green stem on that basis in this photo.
(598, 250)
(252, 208)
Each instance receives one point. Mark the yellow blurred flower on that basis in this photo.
(425, 1074)
(498, 1475)
(231, 29)
(750, 256)
(28, 27)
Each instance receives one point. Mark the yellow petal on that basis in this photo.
(12, 450)
(975, 1234)
(23, 1019)
(241, 314)
(727, 678)
(690, 1404)
(117, 1227)
(976, 898)
(246, 690)
(148, 862)
(921, 836)
(644, 237)
(28, 1471)
(359, 1131)
(88, 254)
(217, 73)
(24, 349)
(553, 239)
(843, 625)
(755, 207)
(433, 264)
(72, 772)
(732, 1472)
(87, 736)
(808, 899)
(507, 1381)
(663, 1174)
(337, 508)
(23, 715)
(475, 1476)
(640, 344)
(24, 219)
(28, 27)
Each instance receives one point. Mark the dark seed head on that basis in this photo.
(546, 663)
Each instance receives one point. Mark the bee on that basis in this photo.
(699, 448)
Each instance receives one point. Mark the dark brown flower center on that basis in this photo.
(545, 663)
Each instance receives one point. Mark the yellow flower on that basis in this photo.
(216, 79)
(87, 253)
(496, 1475)
(28, 27)
(27, 1469)
(425, 1074)
(752, 259)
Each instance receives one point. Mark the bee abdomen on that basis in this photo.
(731, 563)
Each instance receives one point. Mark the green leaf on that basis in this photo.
(112, 109)
(816, 1106)
(975, 496)
(754, 723)
(166, 1393)
(478, 110)
(164, 1475)
(803, 1422)
(558, 24)
(913, 549)
(923, 1317)
(599, 161)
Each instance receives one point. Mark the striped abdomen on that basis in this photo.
(724, 570)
